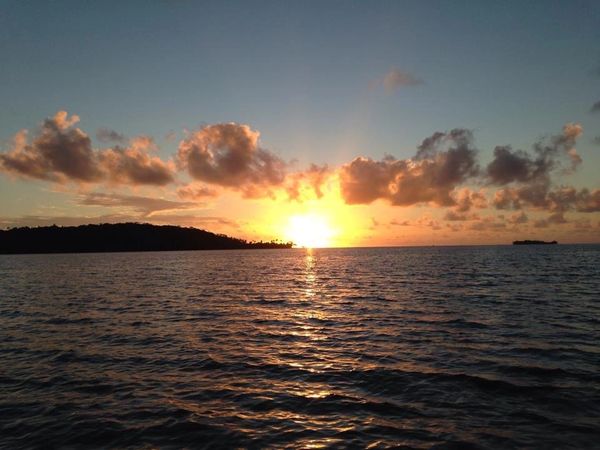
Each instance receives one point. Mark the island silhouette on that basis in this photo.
(121, 237)
(533, 242)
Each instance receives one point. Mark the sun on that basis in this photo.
(309, 230)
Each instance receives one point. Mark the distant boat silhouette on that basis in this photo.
(528, 242)
(120, 237)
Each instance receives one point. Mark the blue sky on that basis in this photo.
(303, 72)
(299, 71)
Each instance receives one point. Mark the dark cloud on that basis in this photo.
(229, 155)
(443, 161)
(464, 200)
(62, 153)
(553, 219)
(595, 107)
(108, 135)
(455, 216)
(535, 195)
(397, 78)
(146, 206)
(557, 218)
(587, 201)
(559, 200)
(508, 166)
(519, 166)
(531, 177)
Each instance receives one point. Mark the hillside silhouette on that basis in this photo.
(121, 237)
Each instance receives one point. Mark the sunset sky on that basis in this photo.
(342, 123)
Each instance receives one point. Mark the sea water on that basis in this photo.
(456, 347)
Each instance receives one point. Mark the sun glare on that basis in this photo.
(309, 230)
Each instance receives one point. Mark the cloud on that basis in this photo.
(561, 199)
(489, 223)
(518, 218)
(146, 206)
(587, 201)
(595, 107)
(531, 177)
(311, 179)
(423, 221)
(108, 135)
(583, 224)
(456, 216)
(443, 172)
(552, 219)
(193, 192)
(396, 78)
(134, 165)
(398, 223)
(518, 166)
(464, 200)
(229, 155)
(62, 153)
(509, 166)
(58, 153)
(211, 222)
(442, 162)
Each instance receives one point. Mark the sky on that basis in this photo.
(328, 123)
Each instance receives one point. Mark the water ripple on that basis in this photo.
(447, 348)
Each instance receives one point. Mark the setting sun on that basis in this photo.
(309, 230)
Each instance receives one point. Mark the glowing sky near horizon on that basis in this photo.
(364, 123)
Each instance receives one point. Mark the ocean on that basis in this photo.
(431, 347)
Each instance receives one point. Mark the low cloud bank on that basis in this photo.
(444, 171)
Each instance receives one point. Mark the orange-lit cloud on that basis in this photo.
(58, 153)
(219, 168)
(229, 155)
(196, 192)
(443, 161)
(311, 179)
(62, 153)
(134, 165)
(146, 206)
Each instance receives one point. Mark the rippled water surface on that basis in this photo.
(465, 347)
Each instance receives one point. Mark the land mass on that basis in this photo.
(120, 237)
(528, 242)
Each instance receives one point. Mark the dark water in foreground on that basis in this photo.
(472, 347)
